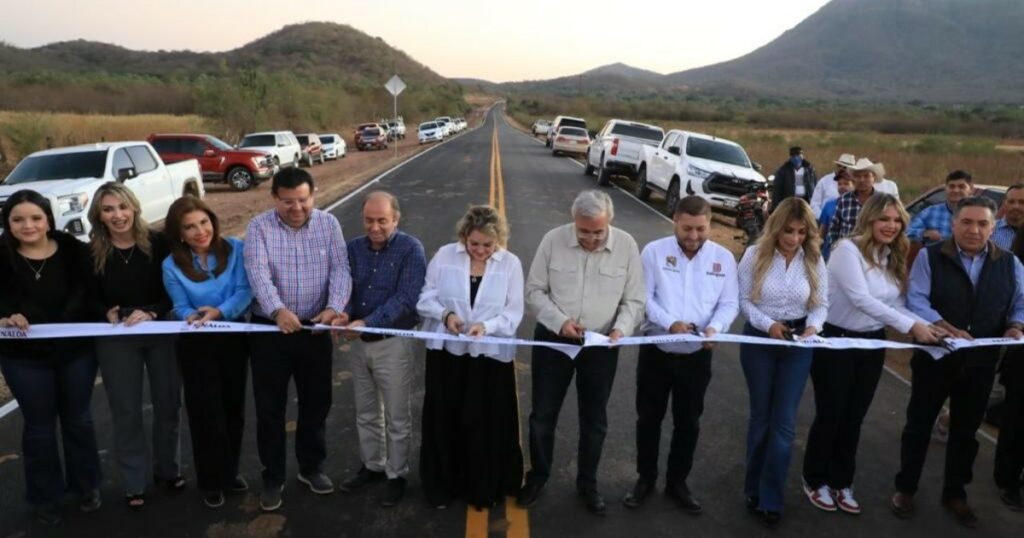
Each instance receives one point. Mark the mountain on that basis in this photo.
(612, 79)
(320, 50)
(928, 50)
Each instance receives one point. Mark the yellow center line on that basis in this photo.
(476, 522)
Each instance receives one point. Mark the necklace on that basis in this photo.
(38, 272)
(128, 258)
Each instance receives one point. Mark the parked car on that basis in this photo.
(334, 146)
(715, 169)
(398, 127)
(540, 127)
(937, 195)
(564, 121)
(68, 178)
(241, 169)
(312, 148)
(446, 123)
(430, 131)
(372, 138)
(359, 129)
(282, 146)
(616, 149)
(571, 140)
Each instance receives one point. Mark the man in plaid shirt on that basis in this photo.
(848, 207)
(297, 264)
(935, 223)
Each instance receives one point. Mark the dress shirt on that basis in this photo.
(702, 291)
(862, 297)
(784, 292)
(229, 292)
(919, 289)
(826, 189)
(1003, 235)
(498, 304)
(888, 186)
(302, 269)
(937, 217)
(845, 218)
(386, 283)
(601, 290)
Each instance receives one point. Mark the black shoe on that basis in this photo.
(90, 502)
(393, 492)
(771, 518)
(752, 504)
(47, 514)
(684, 499)
(363, 477)
(593, 501)
(636, 498)
(1011, 498)
(239, 485)
(528, 495)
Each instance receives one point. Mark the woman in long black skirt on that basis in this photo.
(470, 448)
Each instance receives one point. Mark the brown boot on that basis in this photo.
(902, 505)
(962, 512)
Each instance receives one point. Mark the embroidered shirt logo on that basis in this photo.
(671, 260)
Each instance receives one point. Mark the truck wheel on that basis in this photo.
(277, 162)
(672, 198)
(588, 170)
(643, 190)
(240, 178)
(322, 158)
(309, 160)
(604, 177)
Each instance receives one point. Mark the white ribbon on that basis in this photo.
(72, 330)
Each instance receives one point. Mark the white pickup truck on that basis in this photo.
(616, 149)
(687, 163)
(69, 177)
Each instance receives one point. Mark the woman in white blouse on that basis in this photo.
(867, 287)
(474, 287)
(784, 294)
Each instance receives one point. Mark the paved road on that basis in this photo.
(537, 191)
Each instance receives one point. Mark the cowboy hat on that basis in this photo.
(846, 160)
(865, 164)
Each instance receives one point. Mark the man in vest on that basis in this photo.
(972, 288)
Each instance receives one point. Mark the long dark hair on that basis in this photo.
(20, 197)
(180, 251)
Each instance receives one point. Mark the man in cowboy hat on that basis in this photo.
(827, 187)
(848, 207)
(795, 177)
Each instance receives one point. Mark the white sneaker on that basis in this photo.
(821, 498)
(846, 501)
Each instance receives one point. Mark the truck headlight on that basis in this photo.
(697, 172)
(72, 203)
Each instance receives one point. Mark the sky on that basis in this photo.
(493, 40)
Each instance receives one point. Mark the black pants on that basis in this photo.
(276, 359)
(1010, 450)
(844, 386)
(685, 378)
(552, 372)
(214, 368)
(967, 382)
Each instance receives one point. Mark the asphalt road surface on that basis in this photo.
(498, 164)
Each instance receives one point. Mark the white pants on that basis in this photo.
(382, 378)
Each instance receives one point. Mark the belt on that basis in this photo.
(368, 337)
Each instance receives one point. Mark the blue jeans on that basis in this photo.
(49, 389)
(776, 377)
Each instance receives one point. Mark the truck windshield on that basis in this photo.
(637, 131)
(371, 133)
(327, 139)
(428, 126)
(569, 122)
(717, 151)
(85, 164)
(256, 141)
(303, 140)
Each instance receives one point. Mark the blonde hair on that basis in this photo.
(99, 236)
(791, 209)
(864, 237)
(486, 220)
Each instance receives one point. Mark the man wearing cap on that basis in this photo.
(691, 288)
(826, 189)
(795, 177)
(934, 224)
(849, 204)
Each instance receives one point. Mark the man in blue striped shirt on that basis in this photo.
(935, 223)
(388, 269)
(1013, 217)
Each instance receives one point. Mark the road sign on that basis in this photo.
(395, 85)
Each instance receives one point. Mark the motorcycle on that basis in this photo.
(751, 212)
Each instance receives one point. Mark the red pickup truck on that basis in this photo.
(219, 161)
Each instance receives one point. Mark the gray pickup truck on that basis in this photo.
(617, 147)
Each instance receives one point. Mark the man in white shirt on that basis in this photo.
(826, 188)
(691, 288)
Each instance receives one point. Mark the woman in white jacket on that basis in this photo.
(474, 287)
(867, 276)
